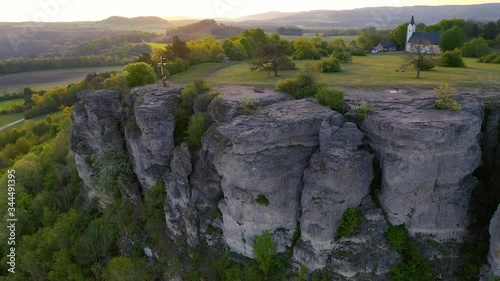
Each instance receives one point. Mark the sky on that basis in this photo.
(78, 10)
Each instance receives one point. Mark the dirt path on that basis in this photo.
(12, 124)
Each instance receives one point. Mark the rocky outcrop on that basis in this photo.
(427, 157)
(338, 177)
(96, 123)
(262, 171)
(149, 131)
(296, 164)
(494, 253)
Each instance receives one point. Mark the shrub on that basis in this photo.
(349, 222)
(249, 105)
(476, 48)
(331, 97)
(489, 58)
(414, 265)
(329, 65)
(140, 73)
(302, 85)
(261, 199)
(357, 52)
(452, 59)
(397, 237)
(445, 94)
(426, 64)
(362, 109)
(177, 66)
(195, 130)
(115, 172)
(342, 54)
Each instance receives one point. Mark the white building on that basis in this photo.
(422, 41)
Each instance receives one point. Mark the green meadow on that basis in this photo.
(373, 70)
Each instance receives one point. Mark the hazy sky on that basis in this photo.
(77, 10)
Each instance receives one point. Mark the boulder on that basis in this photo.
(149, 131)
(338, 177)
(427, 158)
(494, 253)
(261, 171)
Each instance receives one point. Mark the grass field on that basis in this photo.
(48, 79)
(4, 105)
(376, 70)
(9, 118)
(156, 45)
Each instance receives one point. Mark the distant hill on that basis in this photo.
(136, 20)
(380, 17)
(204, 28)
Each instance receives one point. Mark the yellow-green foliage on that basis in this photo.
(264, 250)
(140, 73)
(445, 94)
(332, 98)
(195, 130)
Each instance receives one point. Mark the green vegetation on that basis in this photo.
(195, 130)
(249, 105)
(452, 59)
(350, 221)
(362, 110)
(491, 58)
(445, 94)
(378, 70)
(451, 39)
(139, 74)
(414, 267)
(264, 250)
(331, 97)
(329, 65)
(8, 105)
(9, 118)
(115, 172)
(303, 84)
(262, 199)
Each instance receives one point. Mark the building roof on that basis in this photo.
(412, 22)
(388, 44)
(431, 37)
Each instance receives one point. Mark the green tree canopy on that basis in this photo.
(264, 250)
(273, 57)
(364, 41)
(398, 35)
(451, 39)
(305, 49)
(140, 73)
(476, 48)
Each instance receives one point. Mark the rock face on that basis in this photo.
(96, 123)
(145, 127)
(296, 164)
(266, 158)
(149, 131)
(338, 177)
(427, 157)
(494, 254)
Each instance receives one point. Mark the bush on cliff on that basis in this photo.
(140, 73)
(445, 94)
(303, 84)
(331, 97)
(195, 130)
(350, 220)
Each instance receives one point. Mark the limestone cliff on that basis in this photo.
(294, 167)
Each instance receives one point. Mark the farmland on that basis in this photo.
(48, 79)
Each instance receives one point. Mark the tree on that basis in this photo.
(422, 57)
(264, 250)
(305, 49)
(398, 35)
(179, 48)
(364, 41)
(272, 58)
(452, 59)
(476, 48)
(124, 269)
(451, 39)
(140, 73)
